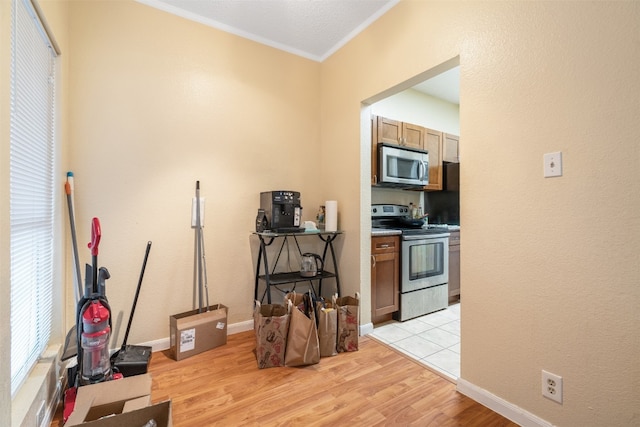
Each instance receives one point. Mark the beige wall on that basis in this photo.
(550, 267)
(158, 102)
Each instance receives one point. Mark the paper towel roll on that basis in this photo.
(331, 215)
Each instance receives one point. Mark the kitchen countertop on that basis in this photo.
(384, 232)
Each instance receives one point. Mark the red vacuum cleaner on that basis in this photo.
(93, 320)
(93, 327)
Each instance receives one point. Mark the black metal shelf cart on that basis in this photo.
(271, 278)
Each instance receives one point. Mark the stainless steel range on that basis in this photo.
(424, 272)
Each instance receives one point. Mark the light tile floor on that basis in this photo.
(433, 340)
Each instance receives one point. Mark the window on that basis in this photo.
(31, 188)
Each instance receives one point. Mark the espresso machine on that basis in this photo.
(282, 210)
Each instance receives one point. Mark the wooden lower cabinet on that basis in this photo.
(385, 277)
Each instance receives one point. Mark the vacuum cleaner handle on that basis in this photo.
(96, 234)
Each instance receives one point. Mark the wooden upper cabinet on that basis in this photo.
(433, 144)
(412, 136)
(451, 148)
(399, 133)
(389, 131)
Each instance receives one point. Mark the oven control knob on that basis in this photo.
(374, 210)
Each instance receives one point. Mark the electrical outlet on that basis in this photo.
(552, 386)
(553, 164)
(194, 210)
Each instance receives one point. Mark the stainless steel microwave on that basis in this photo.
(402, 166)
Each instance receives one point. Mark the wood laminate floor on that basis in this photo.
(375, 386)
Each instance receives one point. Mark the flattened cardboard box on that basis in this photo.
(160, 413)
(110, 397)
(192, 333)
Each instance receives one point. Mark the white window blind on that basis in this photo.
(31, 189)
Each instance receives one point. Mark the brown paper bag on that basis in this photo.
(271, 324)
(348, 322)
(302, 340)
(327, 329)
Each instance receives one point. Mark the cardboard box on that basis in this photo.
(192, 333)
(160, 413)
(110, 397)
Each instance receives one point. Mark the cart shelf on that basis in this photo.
(294, 277)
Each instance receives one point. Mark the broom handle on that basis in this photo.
(199, 247)
(135, 299)
(68, 189)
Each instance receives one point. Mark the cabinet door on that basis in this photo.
(433, 144)
(412, 136)
(385, 285)
(451, 148)
(389, 131)
(385, 276)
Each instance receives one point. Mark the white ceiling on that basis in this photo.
(444, 86)
(312, 29)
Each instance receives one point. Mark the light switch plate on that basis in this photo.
(553, 164)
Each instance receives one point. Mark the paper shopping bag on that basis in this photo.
(348, 322)
(302, 340)
(327, 328)
(271, 324)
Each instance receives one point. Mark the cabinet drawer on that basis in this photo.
(385, 244)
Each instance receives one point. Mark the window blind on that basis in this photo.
(31, 189)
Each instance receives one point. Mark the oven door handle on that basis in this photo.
(414, 237)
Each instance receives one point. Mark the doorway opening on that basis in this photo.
(430, 103)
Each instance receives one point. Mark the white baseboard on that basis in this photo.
(501, 406)
(236, 328)
(366, 329)
(164, 343)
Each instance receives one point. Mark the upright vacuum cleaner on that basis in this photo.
(93, 320)
(93, 327)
